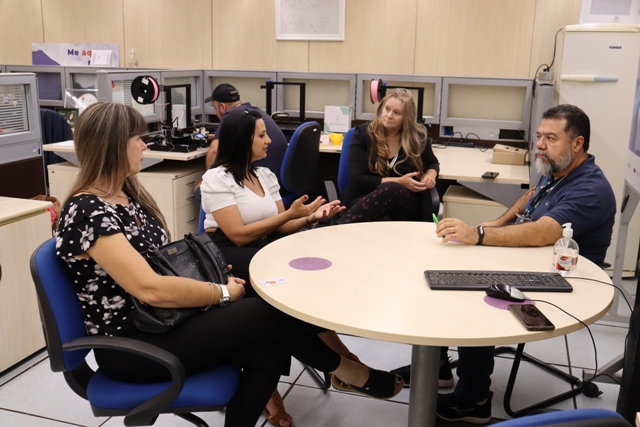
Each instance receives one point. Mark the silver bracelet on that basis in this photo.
(212, 297)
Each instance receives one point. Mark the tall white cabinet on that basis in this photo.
(597, 72)
(24, 225)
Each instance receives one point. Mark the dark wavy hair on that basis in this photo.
(578, 123)
(235, 143)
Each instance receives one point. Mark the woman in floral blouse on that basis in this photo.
(110, 220)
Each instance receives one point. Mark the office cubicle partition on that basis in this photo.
(486, 109)
(432, 86)
(50, 82)
(248, 84)
(321, 89)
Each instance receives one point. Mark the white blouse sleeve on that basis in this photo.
(271, 180)
(218, 190)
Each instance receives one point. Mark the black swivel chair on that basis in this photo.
(54, 129)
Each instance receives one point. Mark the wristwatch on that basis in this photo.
(225, 298)
(480, 234)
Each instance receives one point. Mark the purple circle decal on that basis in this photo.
(310, 263)
(503, 304)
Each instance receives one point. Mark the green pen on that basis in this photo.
(435, 220)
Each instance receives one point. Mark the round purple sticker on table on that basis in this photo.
(310, 263)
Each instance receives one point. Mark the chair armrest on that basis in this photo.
(142, 414)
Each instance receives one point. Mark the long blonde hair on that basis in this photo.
(101, 137)
(413, 135)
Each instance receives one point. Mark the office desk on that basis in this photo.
(24, 225)
(66, 150)
(375, 288)
(171, 182)
(466, 166)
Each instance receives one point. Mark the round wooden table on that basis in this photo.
(368, 280)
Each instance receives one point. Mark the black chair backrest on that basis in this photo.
(299, 171)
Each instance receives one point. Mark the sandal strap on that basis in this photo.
(380, 384)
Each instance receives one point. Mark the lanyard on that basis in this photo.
(392, 162)
(548, 188)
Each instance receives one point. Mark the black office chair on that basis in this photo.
(54, 129)
(68, 344)
(343, 177)
(300, 165)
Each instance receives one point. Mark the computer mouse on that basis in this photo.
(505, 292)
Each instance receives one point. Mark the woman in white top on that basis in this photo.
(245, 212)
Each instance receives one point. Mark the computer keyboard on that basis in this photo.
(481, 280)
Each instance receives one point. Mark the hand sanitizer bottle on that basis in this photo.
(565, 252)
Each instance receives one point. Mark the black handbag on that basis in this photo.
(195, 257)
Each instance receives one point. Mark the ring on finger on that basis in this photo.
(452, 230)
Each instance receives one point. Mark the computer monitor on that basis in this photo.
(486, 109)
(51, 82)
(20, 134)
(609, 11)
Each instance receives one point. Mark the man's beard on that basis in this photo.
(549, 167)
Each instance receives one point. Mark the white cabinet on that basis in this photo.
(24, 225)
(170, 183)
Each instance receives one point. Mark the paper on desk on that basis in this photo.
(68, 143)
(337, 119)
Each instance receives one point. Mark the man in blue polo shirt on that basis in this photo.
(572, 189)
(225, 98)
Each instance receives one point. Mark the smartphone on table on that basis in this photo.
(531, 317)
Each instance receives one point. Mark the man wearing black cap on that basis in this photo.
(225, 97)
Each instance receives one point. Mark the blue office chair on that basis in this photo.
(299, 170)
(201, 220)
(343, 171)
(587, 417)
(343, 175)
(68, 344)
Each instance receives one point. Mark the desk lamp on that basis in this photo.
(378, 90)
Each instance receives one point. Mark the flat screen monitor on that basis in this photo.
(51, 82)
(486, 109)
(609, 11)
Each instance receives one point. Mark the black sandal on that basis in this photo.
(381, 385)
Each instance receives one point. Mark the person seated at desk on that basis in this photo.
(110, 221)
(572, 189)
(226, 98)
(244, 210)
(391, 166)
